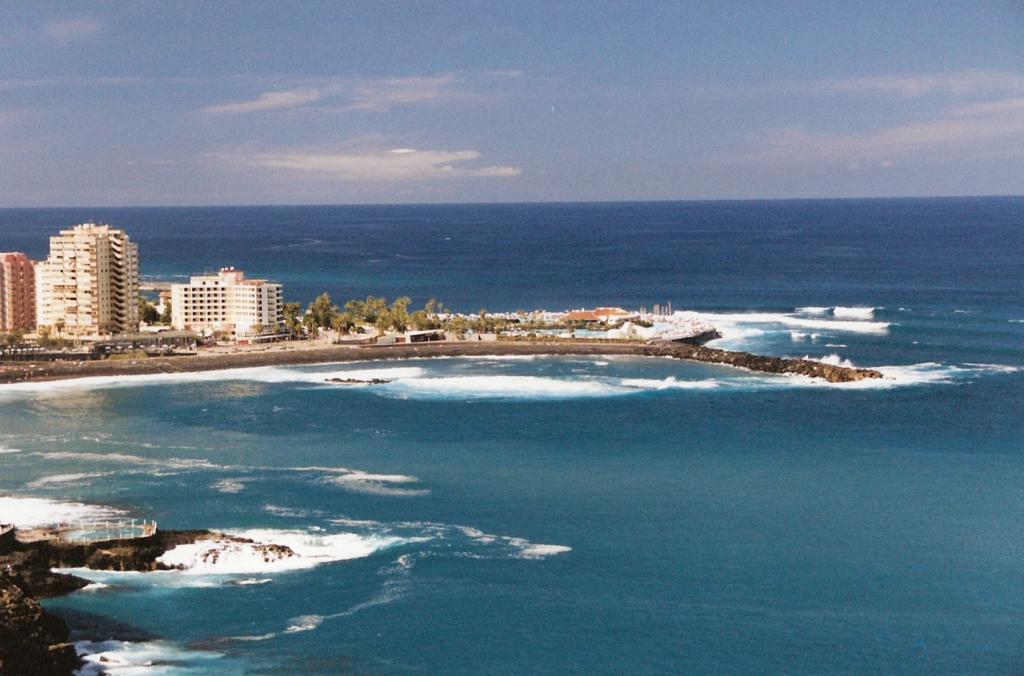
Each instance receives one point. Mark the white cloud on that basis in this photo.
(68, 30)
(269, 101)
(1000, 107)
(956, 84)
(399, 164)
(798, 146)
(374, 94)
(382, 94)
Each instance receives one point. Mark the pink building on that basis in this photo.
(17, 293)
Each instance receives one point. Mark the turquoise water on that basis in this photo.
(585, 515)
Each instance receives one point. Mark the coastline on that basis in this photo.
(49, 371)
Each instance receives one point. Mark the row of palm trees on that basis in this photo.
(374, 313)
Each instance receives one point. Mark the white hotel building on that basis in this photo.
(228, 303)
(89, 284)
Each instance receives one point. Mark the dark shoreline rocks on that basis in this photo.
(754, 362)
(357, 381)
(22, 372)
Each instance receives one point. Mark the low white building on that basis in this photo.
(227, 303)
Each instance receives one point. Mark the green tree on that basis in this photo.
(44, 335)
(322, 311)
(343, 322)
(292, 322)
(399, 314)
(147, 312)
(59, 326)
(165, 316)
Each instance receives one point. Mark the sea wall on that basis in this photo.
(754, 362)
(339, 354)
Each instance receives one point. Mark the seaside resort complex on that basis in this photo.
(88, 288)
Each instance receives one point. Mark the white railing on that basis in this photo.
(101, 531)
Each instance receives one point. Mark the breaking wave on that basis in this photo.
(497, 387)
(126, 657)
(272, 551)
(853, 312)
(40, 512)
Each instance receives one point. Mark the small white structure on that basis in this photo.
(229, 303)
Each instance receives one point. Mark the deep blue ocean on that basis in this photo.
(569, 514)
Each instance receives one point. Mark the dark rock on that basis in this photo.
(357, 381)
(753, 362)
(32, 641)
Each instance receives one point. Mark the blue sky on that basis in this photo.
(146, 103)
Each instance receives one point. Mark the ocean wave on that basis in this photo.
(670, 383)
(853, 312)
(4, 450)
(272, 551)
(814, 310)
(738, 324)
(125, 657)
(496, 387)
(831, 360)
(376, 484)
(27, 512)
(257, 374)
(235, 485)
(58, 479)
(303, 623)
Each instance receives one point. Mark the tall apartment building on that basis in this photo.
(89, 284)
(17, 293)
(227, 302)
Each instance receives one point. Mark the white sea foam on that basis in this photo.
(258, 374)
(128, 459)
(797, 336)
(150, 657)
(40, 512)
(832, 360)
(670, 383)
(529, 550)
(739, 325)
(52, 479)
(235, 485)
(497, 387)
(377, 484)
(304, 623)
(853, 312)
(4, 450)
(995, 368)
(813, 310)
(230, 557)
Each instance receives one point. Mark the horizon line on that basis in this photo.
(520, 202)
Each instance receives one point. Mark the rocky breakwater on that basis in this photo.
(34, 641)
(754, 362)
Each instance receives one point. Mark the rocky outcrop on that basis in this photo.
(32, 641)
(754, 362)
(357, 381)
